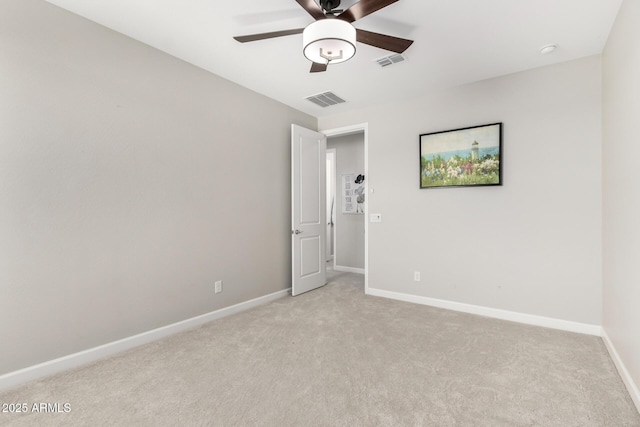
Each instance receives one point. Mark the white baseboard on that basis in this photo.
(348, 269)
(529, 319)
(41, 370)
(634, 392)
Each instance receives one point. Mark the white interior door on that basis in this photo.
(331, 200)
(308, 209)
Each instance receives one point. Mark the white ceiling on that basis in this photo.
(456, 42)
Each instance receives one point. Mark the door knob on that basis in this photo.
(297, 231)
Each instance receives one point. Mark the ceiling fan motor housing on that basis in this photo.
(329, 41)
(329, 5)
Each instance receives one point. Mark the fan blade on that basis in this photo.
(383, 41)
(363, 8)
(313, 9)
(262, 36)
(318, 68)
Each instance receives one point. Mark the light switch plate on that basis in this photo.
(375, 217)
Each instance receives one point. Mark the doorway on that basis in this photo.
(347, 200)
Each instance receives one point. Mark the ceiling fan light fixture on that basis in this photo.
(329, 41)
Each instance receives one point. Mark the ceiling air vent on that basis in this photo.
(389, 60)
(326, 99)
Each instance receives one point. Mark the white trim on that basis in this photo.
(529, 319)
(348, 130)
(334, 191)
(632, 388)
(348, 269)
(13, 379)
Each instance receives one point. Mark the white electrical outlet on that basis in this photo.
(416, 276)
(218, 286)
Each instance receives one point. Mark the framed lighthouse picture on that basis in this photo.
(467, 157)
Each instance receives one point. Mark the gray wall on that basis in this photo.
(349, 227)
(129, 182)
(621, 176)
(533, 245)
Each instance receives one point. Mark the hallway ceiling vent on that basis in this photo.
(390, 60)
(325, 99)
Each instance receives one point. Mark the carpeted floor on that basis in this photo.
(335, 357)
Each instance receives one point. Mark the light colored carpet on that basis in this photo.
(335, 357)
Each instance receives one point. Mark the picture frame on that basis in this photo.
(465, 157)
(353, 193)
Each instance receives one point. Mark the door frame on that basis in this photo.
(348, 130)
(335, 196)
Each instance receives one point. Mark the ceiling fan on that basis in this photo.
(331, 39)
